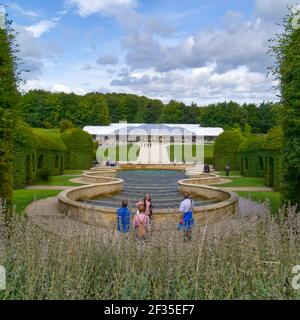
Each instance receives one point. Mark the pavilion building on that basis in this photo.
(122, 133)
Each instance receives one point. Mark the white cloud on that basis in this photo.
(42, 27)
(199, 84)
(26, 12)
(89, 7)
(273, 9)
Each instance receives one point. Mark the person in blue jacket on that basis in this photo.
(123, 218)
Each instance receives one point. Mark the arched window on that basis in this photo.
(41, 162)
(138, 139)
(172, 139)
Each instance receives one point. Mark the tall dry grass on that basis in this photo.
(233, 259)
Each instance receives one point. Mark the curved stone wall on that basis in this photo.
(97, 175)
(69, 202)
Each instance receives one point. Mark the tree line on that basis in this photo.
(43, 109)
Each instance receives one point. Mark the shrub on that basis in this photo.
(80, 148)
(44, 174)
(261, 156)
(226, 150)
(232, 259)
(51, 151)
(24, 155)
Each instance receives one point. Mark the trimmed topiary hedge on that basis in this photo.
(24, 155)
(50, 152)
(261, 156)
(80, 146)
(226, 150)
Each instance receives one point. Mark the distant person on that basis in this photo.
(141, 223)
(95, 163)
(186, 217)
(147, 203)
(206, 168)
(227, 170)
(123, 218)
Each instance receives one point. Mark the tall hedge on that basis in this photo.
(50, 152)
(80, 149)
(226, 150)
(252, 157)
(286, 49)
(24, 155)
(261, 156)
(9, 98)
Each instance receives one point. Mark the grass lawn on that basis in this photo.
(244, 182)
(274, 198)
(118, 153)
(74, 172)
(63, 180)
(189, 152)
(23, 197)
(232, 173)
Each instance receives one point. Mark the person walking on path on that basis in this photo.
(186, 217)
(141, 223)
(123, 218)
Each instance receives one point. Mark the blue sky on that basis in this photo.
(190, 50)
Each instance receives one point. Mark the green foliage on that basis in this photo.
(80, 148)
(50, 152)
(24, 155)
(286, 50)
(65, 124)
(226, 150)
(46, 110)
(44, 174)
(261, 156)
(93, 110)
(9, 99)
(22, 198)
(48, 139)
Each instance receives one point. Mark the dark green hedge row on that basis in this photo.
(39, 152)
(226, 150)
(80, 148)
(262, 157)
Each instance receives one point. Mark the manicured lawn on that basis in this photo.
(63, 180)
(118, 153)
(74, 172)
(189, 152)
(23, 197)
(244, 182)
(274, 198)
(232, 173)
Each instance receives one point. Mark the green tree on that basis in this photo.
(65, 124)
(9, 99)
(286, 49)
(172, 112)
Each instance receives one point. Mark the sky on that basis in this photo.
(202, 51)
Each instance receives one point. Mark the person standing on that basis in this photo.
(141, 223)
(123, 218)
(147, 203)
(186, 217)
(227, 170)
